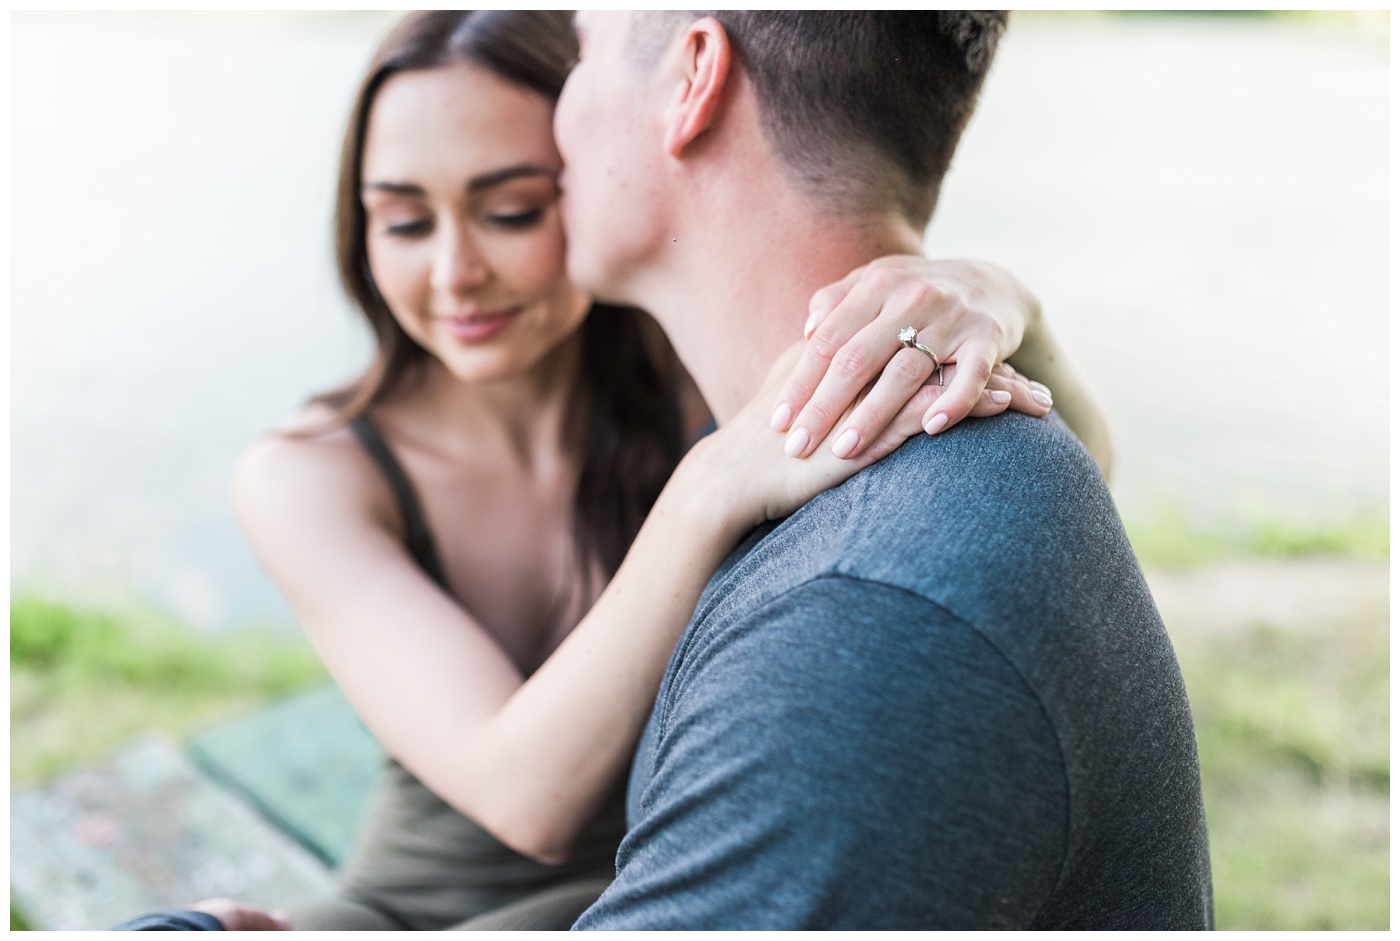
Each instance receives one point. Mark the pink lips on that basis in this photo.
(474, 328)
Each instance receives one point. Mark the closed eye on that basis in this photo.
(410, 229)
(518, 220)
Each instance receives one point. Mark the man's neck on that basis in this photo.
(733, 293)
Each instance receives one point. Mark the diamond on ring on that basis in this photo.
(908, 335)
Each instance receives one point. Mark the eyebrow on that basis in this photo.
(497, 177)
(398, 189)
(479, 182)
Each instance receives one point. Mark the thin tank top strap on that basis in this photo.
(418, 539)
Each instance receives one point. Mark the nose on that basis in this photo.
(458, 265)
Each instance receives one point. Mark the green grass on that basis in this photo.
(1170, 538)
(1294, 735)
(1294, 732)
(83, 680)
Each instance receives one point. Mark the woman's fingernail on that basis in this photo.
(1042, 398)
(797, 442)
(936, 424)
(846, 443)
(811, 324)
(1001, 398)
(781, 416)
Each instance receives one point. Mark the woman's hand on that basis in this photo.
(970, 313)
(235, 916)
(739, 476)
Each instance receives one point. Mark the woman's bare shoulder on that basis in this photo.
(310, 457)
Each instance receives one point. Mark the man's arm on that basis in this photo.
(848, 756)
(209, 915)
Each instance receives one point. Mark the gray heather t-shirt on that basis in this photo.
(937, 696)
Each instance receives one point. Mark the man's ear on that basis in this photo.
(704, 72)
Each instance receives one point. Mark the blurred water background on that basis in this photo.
(1201, 204)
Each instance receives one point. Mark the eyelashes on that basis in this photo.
(410, 229)
(510, 221)
(517, 220)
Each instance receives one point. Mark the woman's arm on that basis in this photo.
(530, 760)
(969, 312)
(1041, 358)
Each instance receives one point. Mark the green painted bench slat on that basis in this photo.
(307, 763)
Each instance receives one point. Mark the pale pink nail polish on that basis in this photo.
(810, 325)
(797, 442)
(846, 443)
(781, 416)
(1001, 398)
(936, 423)
(1042, 398)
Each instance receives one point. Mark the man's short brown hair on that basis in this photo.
(865, 108)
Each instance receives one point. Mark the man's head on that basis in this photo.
(864, 107)
(861, 109)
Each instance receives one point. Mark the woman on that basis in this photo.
(492, 537)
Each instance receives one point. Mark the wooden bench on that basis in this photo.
(262, 809)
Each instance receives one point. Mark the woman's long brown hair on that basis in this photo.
(631, 436)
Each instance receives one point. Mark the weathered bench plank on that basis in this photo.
(142, 832)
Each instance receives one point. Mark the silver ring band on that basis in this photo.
(910, 338)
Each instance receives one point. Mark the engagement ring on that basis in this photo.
(910, 338)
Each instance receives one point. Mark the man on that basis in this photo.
(937, 696)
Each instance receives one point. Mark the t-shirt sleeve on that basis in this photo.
(849, 755)
(182, 920)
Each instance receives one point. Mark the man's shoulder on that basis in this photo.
(1009, 460)
(1004, 529)
(982, 508)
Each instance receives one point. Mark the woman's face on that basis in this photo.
(458, 182)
